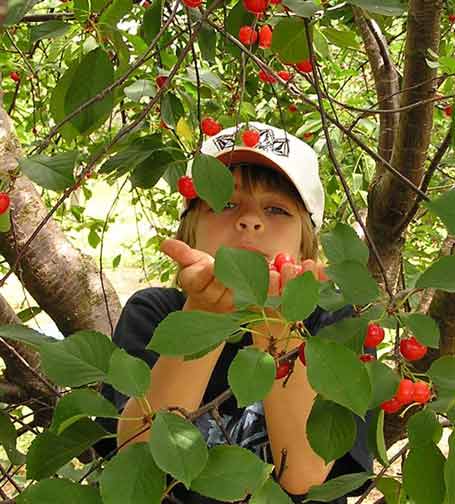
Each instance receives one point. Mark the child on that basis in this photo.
(277, 207)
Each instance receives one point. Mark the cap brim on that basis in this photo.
(245, 155)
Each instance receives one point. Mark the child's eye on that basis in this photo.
(228, 207)
(278, 210)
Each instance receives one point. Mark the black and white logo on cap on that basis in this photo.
(267, 142)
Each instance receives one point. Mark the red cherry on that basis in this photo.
(450, 16)
(282, 370)
(275, 2)
(15, 76)
(281, 259)
(448, 110)
(302, 353)
(292, 108)
(161, 80)
(186, 187)
(366, 357)
(192, 4)
(411, 349)
(265, 36)
(210, 126)
(405, 391)
(422, 392)
(391, 406)
(256, 6)
(375, 334)
(247, 35)
(285, 75)
(266, 77)
(4, 202)
(250, 138)
(305, 66)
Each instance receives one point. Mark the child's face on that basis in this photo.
(267, 221)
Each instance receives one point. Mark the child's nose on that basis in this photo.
(250, 220)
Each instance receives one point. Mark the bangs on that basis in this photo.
(256, 177)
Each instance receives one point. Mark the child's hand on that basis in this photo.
(204, 291)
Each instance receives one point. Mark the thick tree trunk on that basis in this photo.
(63, 281)
(389, 199)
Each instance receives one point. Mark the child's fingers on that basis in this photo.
(274, 283)
(310, 265)
(181, 252)
(288, 272)
(197, 277)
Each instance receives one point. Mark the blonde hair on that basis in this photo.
(253, 177)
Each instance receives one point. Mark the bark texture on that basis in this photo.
(64, 282)
(389, 199)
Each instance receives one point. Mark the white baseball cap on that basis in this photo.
(278, 150)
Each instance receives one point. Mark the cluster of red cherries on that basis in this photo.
(408, 391)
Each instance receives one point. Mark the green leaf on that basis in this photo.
(148, 172)
(449, 471)
(17, 10)
(337, 374)
(231, 473)
(444, 208)
(390, 488)
(113, 14)
(330, 298)
(300, 297)
(142, 482)
(384, 382)
(91, 76)
(343, 244)
(303, 8)
(442, 372)
(24, 334)
(424, 328)
(202, 330)
(171, 109)
(178, 447)
(331, 429)
(440, 275)
(45, 492)
(207, 42)
(213, 181)
(345, 39)
(151, 22)
(49, 452)
(355, 282)
(270, 493)
(5, 221)
(8, 437)
(127, 374)
(245, 272)
(337, 487)
(140, 88)
(424, 486)
(28, 313)
(54, 172)
(57, 104)
(289, 40)
(78, 404)
(423, 427)
(48, 29)
(384, 7)
(376, 442)
(251, 375)
(80, 359)
(348, 331)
